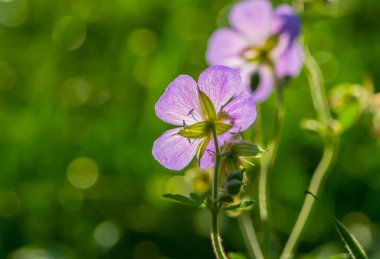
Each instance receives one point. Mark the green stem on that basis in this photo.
(329, 153)
(216, 240)
(315, 187)
(266, 168)
(249, 236)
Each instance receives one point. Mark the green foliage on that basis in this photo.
(353, 247)
(194, 200)
(240, 206)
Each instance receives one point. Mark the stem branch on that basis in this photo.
(329, 153)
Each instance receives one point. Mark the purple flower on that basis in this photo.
(261, 42)
(218, 100)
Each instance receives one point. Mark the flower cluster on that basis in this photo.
(261, 42)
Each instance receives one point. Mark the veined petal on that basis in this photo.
(253, 19)
(290, 62)
(179, 103)
(225, 47)
(174, 151)
(208, 158)
(220, 84)
(242, 111)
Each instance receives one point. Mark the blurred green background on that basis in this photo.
(78, 84)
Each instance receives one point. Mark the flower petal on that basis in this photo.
(220, 84)
(179, 102)
(253, 19)
(242, 110)
(208, 158)
(286, 22)
(225, 47)
(289, 63)
(174, 151)
(266, 83)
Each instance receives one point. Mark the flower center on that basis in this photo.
(220, 121)
(260, 54)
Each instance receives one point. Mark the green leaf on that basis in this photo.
(182, 199)
(222, 128)
(202, 146)
(196, 197)
(246, 149)
(353, 247)
(242, 205)
(196, 131)
(207, 107)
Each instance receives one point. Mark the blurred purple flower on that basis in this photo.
(261, 42)
(230, 110)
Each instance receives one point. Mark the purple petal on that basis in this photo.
(225, 47)
(290, 62)
(220, 84)
(286, 22)
(179, 102)
(174, 151)
(208, 158)
(242, 110)
(253, 19)
(265, 86)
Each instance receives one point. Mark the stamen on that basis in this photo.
(192, 115)
(211, 152)
(190, 111)
(224, 105)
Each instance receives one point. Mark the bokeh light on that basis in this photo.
(13, 12)
(82, 173)
(106, 234)
(69, 32)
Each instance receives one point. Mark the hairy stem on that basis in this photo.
(216, 240)
(266, 168)
(249, 236)
(331, 141)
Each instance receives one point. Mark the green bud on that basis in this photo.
(233, 187)
(238, 175)
(246, 149)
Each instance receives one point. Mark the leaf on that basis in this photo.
(207, 107)
(246, 149)
(222, 128)
(196, 197)
(202, 146)
(242, 205)
(353, 247)
(196, 131)
(182, 199)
